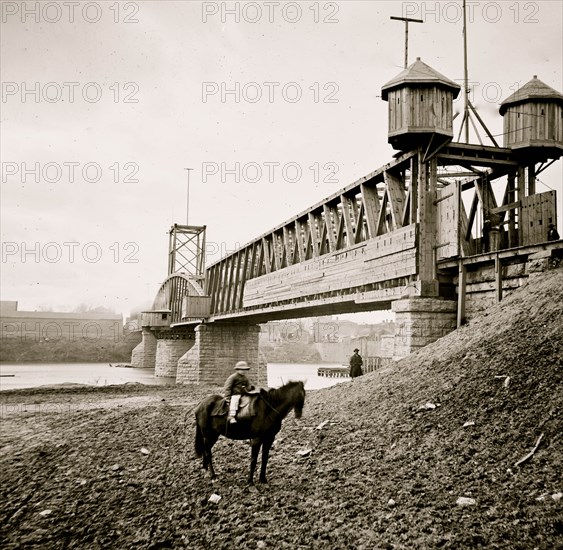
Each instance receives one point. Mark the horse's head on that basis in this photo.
(299, 399)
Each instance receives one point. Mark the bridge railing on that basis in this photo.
(371, 364)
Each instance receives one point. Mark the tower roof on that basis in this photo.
(417, 74)
(533, 90)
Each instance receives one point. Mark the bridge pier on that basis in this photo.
(216, 350)
(144, 354)
(170, 348)
(421, 321)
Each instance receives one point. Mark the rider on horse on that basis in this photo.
(236, 384)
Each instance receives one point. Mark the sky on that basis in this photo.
(275, 106)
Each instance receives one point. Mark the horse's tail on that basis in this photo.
(198, 441)
(203, 421)
(201, 418)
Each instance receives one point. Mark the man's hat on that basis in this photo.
(356, 350)
(551, 225)
(242, 365)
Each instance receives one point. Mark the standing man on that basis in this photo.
(235, 386)
(356, 363)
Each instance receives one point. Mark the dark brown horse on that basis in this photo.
(271, 407)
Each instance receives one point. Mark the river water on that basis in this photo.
(32, 375)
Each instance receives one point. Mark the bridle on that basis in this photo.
(271, 407)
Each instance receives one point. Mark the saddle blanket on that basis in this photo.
(246, 408)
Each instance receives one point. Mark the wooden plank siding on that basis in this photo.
(447, 222)
(420, 110)
(533, 124)
(384, 258)
(537, 212)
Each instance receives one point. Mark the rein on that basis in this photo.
(271, 407)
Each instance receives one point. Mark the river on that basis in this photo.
(32, 375)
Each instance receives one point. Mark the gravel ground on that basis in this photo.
(114, 467)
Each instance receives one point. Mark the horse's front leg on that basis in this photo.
(266, 446)
(255, 449)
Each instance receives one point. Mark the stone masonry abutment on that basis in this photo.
(421, 321)
(144, 354)
(169, 349)
(216, 350)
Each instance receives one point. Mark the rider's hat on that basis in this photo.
(242, 365)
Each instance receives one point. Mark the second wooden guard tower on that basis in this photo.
(533, 121)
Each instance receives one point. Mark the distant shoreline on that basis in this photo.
(46, 363)
(61, 362)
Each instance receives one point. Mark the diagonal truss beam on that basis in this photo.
(382, 201)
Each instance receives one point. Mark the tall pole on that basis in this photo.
(465, 77)
(406, 20)
(406, 44)
(188, 197)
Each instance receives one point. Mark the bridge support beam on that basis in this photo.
(169, 349)
(144, 354)
(421, 321)
(217, 349)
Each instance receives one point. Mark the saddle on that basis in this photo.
(246, 407)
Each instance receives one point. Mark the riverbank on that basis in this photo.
(457, 446)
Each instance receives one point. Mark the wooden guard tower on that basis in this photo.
(420, 106)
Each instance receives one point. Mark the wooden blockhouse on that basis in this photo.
(533, 121)
(420, 106)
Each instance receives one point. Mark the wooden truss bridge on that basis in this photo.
(414, 229)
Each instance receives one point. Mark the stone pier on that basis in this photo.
(217, 349)
(421, 321)
(144, 354)
(170, 347)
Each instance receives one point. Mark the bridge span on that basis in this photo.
(426, 235)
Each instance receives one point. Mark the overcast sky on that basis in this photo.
(105, 104)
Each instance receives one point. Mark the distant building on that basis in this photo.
(37, 326)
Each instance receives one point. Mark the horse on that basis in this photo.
(271, 407)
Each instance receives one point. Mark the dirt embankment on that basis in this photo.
(400, 447)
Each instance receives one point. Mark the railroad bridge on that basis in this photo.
(437, 234)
